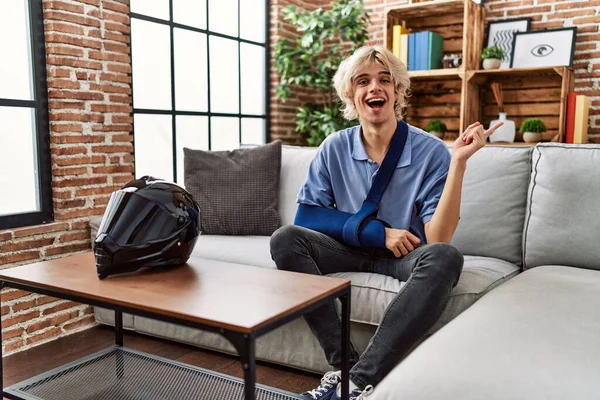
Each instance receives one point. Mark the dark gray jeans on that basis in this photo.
(430, 273)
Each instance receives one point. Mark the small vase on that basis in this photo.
(532, 137)
(491, 63)
(505, 133)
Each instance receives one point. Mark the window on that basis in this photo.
(25, 168)
(199, 70)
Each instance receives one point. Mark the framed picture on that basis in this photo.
(501, 33)
(547, 48)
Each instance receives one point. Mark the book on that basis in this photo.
(435, 50)
(404, 48)
(422, 50)
(582, 106)
(411, 51)
(397, 31)
(570, 117)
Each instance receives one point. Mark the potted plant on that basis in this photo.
(326, 36)
(492, 57)
(532, 130)
(436, 128)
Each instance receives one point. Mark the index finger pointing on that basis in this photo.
(493, 128)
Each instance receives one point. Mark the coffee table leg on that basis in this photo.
(245, 344)
(345, 299)
(249, 368)
(118, 328)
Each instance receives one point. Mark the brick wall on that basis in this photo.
(89, 93)
(544, 14)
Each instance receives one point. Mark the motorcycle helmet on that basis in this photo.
(147, 223)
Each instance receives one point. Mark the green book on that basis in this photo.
(436, 51)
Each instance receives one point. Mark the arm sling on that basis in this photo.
(362, 228)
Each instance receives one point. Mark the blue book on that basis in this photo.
(423, 49)
(411, 51)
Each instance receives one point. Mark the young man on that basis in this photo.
(408, 239)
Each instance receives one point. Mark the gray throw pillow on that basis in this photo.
(237, 191)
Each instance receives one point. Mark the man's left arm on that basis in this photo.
(444, 221)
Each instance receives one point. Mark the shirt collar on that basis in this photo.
(359, 152)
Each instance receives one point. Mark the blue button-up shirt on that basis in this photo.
(341, 175)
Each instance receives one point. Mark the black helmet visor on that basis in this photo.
(131, 219)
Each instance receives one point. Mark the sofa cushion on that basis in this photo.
(371, 293)
(237, 191)
(562, 222)
(534, 337)
(492, 211)
(295, 161)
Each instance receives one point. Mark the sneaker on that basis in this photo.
(356, 394)
(326, 389)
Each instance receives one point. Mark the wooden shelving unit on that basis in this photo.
(460, 96)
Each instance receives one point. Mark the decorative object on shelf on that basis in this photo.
(532, 130)
(492, 57)
(309, 62)
(507, 132)
(452, 61)
(547, 48)
(436, 128)
(500, 33)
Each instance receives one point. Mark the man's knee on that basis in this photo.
(285, 242)
(447, 258)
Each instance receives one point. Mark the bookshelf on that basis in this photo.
(460, 96)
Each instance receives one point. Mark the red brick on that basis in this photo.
(69, 204)
(5, 236)
(113, 149)
(86, 212)
(111, 88)
(63, 84)
(85, 321)
(64, 51)
(75, 105)
(66, 161)
(13, 345)
(112, 26)
(114, 169)
(4, 310)
(60, 307)
(53, 321)
(18, 257)
(64, 28)
(70, 237)
(41, 229)
(77, 139)
(17, 319)
(43, 336)
(122, 138)
(90, 2)
(66, 172)
(12, 294)
(23, 305)
(76, 19)
(122, 8)
(63, 6)
(77, 225)
(112, 128)
(12, 333)
(26, 245)
(77, 182)
(45, 300)
(70, 94)
(97, 191)
(73, 41)
(117, 37)
(62, 151)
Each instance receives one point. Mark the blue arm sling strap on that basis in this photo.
(360, 228)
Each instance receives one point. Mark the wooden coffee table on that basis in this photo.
(239, 302)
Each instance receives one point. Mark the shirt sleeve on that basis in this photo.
(433, 183)
(317, 189)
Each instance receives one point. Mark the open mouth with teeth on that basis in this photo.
(376, 103)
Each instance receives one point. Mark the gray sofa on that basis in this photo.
(511, 219)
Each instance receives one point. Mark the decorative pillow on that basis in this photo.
(237, 191)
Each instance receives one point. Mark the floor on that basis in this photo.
(39, 359)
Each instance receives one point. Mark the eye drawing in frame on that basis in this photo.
(500, 33)
(547, 48)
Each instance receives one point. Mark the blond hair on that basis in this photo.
(362, 57)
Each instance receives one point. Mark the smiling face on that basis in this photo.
(374, 95)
